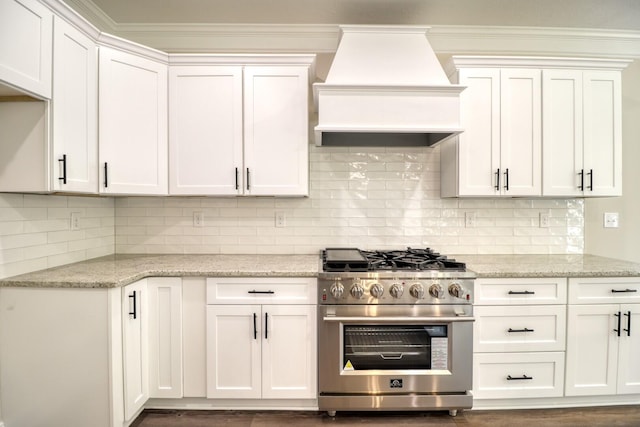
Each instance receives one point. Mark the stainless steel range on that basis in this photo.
(395, 331)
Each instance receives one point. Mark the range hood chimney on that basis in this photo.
(386, 87)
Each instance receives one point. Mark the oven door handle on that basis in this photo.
(402, 319)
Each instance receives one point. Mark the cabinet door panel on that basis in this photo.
(133, 124)
(479, 144)
(592, 350)
(289, 352)
(234, 351)
(25, 45)
(135, 347)
(276, 133)
(562, 132)
(75, 110)
(628, 366)
(520, 132)
(205, 130)
(603, 133)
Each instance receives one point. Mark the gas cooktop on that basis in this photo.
(357, 260)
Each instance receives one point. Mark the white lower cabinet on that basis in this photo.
(519, 338)
(164, 297)
(265, 350)
(603, 344)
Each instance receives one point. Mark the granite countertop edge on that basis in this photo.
(114, 271)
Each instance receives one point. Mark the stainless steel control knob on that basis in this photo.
(456, 290)
(396, 290)
(417, 291)
(337, 290)
(436, 290)
(376, 290)
(357, 291)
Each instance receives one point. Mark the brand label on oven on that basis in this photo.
(395, 383)
(439, 353)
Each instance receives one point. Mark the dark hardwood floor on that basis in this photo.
(610, 416)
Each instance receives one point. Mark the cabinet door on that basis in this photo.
(602, 133)
(133, 124)
(276, 131)
(165, 336)
(135, 347)
(234, 336)
(289, 352)
(205, 130)
(592, 350)
(520, 132)
(628, 366)
(25, 46)
(562, 125)
(75, 110)
(479, 144)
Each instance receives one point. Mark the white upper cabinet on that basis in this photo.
(499, 153)
(237, 128)
(25, 46)
(133, 124)
(74, 111)
(205, 129)
(582, 131)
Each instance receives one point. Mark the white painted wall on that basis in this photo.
(622, 242)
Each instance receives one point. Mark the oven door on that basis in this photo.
(395, 349)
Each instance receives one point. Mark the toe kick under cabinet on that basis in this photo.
(519, 338)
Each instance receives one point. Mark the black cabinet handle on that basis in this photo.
(106, 180)
(266, 326)
(260, 292)
(628, 330)
(63, 178)
(237, 185)
(520, 330)
(134, 312)
(619, 291)
(248, 179)
(590, 187)
(521, 292)
(619, 320)
(498, 179)
(506, 179)
(523, 377)
(581, 173)
(255, 326)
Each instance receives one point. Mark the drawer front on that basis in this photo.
(604, 290)
(514, 375)
(261, 290)
(520, 291)
(519, 328)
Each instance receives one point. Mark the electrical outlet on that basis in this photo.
(611, 220)
(544, 219)
(280, 219)
(198, 219)
(75, 221)
(469, 219)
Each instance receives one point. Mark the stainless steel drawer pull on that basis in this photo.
(520, 330)
(521, 292)
(618, 291)
(524, 377)
(261, 292)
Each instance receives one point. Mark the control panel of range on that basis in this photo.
(395, 291)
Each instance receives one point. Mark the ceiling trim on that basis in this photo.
(323, 38)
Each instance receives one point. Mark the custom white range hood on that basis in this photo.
(386, 87)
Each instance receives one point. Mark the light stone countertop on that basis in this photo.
(120, 270)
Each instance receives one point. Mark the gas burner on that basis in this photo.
(356, 260)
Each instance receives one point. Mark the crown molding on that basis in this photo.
(323, 38)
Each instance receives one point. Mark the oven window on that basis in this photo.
(395, 347)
